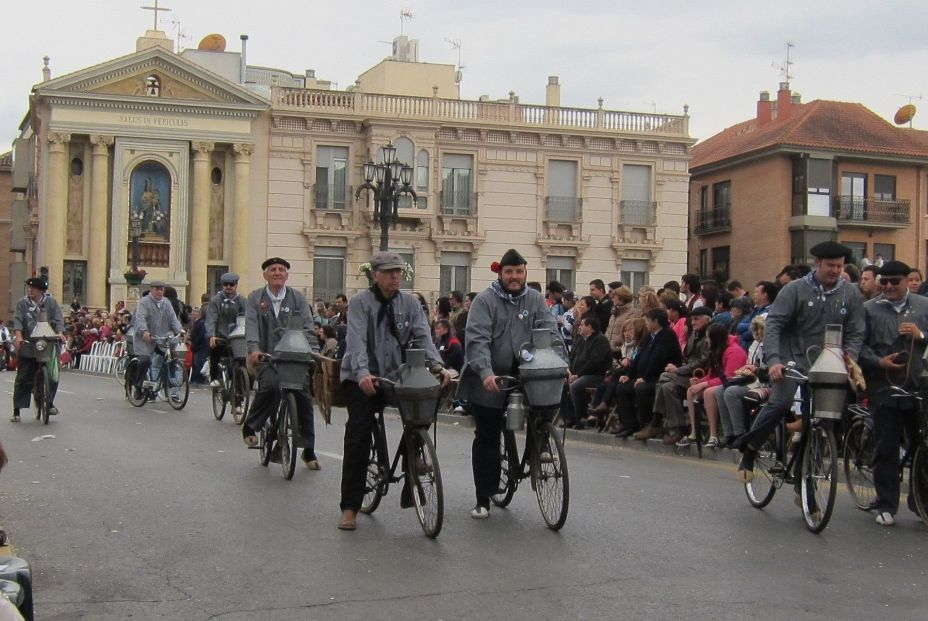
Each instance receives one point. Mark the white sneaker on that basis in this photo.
(239, 409)
(459, 410)
(885, 518)
(480, 512)
(175, 397)
(215, 383)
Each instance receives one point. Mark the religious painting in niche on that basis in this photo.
(150, 197)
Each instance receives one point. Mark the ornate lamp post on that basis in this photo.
(134, 276)
(388, 181)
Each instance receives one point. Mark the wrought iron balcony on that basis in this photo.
(717, 220)
(871, 212)
(638, 213)
(458, 203)
(331, 196)
(563, 208)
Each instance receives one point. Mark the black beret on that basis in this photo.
(895, 268)
(275, 261)
(830, 250)
(701, 310)
(512, 257)
(38, 283)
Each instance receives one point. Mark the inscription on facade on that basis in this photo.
(152, 121)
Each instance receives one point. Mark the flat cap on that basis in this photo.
(229, 278)
(895, 268)
(384, 261)
(830, 250)
(37, 282)
(701, 310)
(156, 283)
(275, 261)
(569, 294)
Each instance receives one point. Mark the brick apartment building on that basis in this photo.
(766, 190)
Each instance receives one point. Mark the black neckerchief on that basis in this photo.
(386, 310)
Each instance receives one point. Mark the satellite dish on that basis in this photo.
(213, 43)
(904, 114)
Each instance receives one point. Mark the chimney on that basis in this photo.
(553, 92)
(784, 102)
(310, 80)
(796, 98)
(244, 67)
(46, 70)
(764, 109)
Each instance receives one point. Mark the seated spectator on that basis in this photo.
(731, 400)
(764, 294)
(584, 306)
(647, 300)
(725, 358)
(565, 322)
(691, 289)
(328, 337)
(722, 314)
(622, 310)
(635, 391)
(740, 308)
(676, 314)
(448, 346)
(633, 333)
(589, 361)
(672, 384)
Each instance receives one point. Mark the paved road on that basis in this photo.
(155, 514)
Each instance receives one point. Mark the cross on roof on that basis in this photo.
(155, 9)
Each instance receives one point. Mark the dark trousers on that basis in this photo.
(578, 397)
(25, 378)
(358, 436)
(782, 393)
(216, 354)
(888, 425)
(634, 403)
(485, 455)
(267, 401)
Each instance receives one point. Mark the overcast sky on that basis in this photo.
(715, 55)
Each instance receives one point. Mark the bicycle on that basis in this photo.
(281, 427)
(544, 460)
(811, 467)
(416, 451)
(171, 371)
(234, 389)
(45, 347)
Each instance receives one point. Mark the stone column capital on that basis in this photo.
(101, 141)
(201, 149)
(58, 138)
(243, 150)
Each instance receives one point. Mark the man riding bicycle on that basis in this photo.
(222, 311)
(24, 319)
(501, 319)
(267, 313)
(794, 326)
(154, 319)
(382, 323)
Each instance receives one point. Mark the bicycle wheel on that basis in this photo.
(119, 369)
(286, 434)
(549, 476)
(183, 388)
(918, 476)
(423, 476)
(40, 392)
(509, 470)
(764, 485)
(819, 482)
(375, 483)
(241, 394)
(219, 394)
(266, 442)
(136, 396)
(858, 463)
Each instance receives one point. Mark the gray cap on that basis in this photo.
(383, 261)
(157, 283)
(229, 277)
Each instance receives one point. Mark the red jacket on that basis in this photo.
(733, 358)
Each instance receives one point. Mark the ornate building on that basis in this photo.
(222, 173)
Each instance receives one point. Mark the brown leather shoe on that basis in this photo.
(672, 438)
(348, 521)
(643, 434)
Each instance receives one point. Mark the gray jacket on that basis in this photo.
(372, 349)
(263, 329)
(27, 315)
(221, 312)
(156, 318)
(883, 338)
(796, 321)
(498, 324)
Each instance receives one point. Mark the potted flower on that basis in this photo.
(135, 277)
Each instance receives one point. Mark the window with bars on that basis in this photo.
(331, 189)
(454, 272)
(456, 184)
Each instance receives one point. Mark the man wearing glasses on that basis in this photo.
(892, 357)
(221, 313)
(154, 317)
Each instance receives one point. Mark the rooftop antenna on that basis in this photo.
(911, 98)
(180, 34)
(405, 16)
(906, 113)
(155, 10)
(456, 45)
(785, 67)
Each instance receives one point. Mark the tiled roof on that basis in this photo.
(820, 124)
(6, 159)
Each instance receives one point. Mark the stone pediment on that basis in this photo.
(176, 80)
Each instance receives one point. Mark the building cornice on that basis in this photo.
(91, 100)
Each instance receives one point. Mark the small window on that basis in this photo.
(884, 187)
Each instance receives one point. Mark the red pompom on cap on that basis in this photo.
(494, 267)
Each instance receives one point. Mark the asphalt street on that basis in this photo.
(148, 513)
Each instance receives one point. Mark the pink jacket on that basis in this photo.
(733, 358)
(679, 329)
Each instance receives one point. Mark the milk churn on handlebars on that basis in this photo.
(43, 339)
(828, 376)
(293, 355)
(417, 390)
(237, 339)
(542, 371)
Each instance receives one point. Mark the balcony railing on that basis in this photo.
(715, 220)
(331, 196)
(563, 208)
(152, 254)
(871, 211)
(638, 213)
(458, 203)
(405, 201)
(506, 113)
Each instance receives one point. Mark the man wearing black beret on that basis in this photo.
(897, 321)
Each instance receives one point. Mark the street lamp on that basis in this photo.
(388, 181)
(135, 231)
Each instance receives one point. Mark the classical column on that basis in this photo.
(240, 258)
(199, 212)
(56, 210)
(97, 269)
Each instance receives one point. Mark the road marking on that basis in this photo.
(332, 455)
